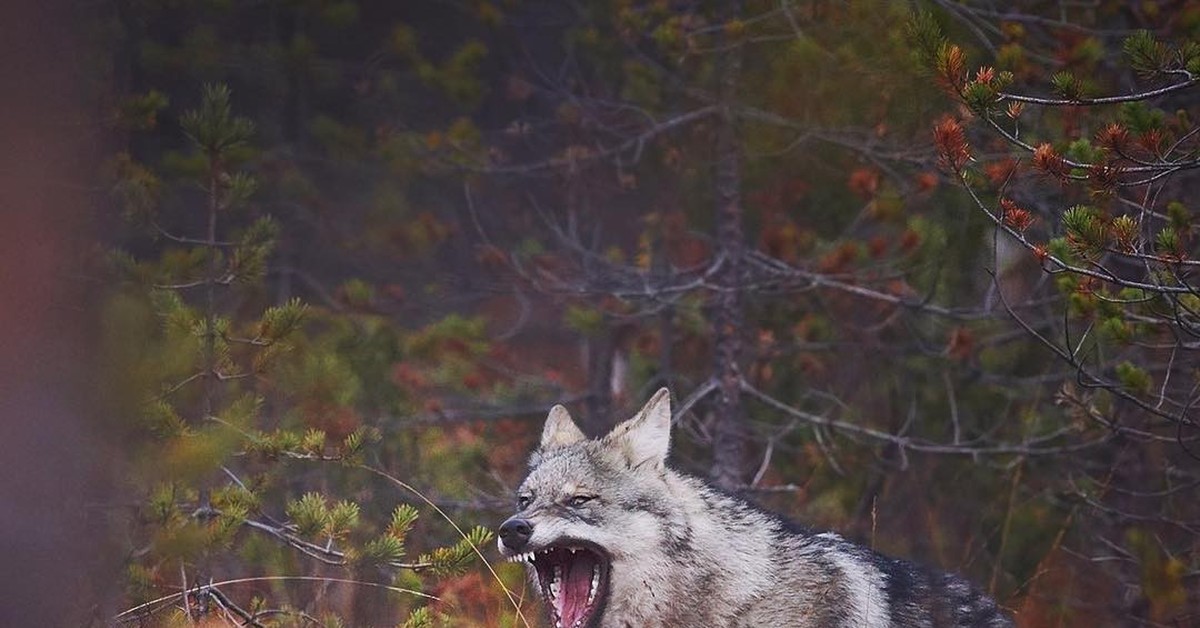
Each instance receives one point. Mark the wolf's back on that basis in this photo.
(869, 589)
(923, 598)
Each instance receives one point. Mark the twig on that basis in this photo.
(129, 614)
(404, 485)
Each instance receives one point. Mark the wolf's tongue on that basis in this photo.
(576, 585)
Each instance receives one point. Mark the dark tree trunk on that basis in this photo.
(661, 271)
(601, 351)
(729, 444)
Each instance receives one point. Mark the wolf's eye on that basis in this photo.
(580, 500)
(523, 501)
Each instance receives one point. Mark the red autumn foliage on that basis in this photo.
(811, 365)
(877, 246)
(684, 249)
(999, 172)
(909, 240)
(408, 376)
(1014, 216)
(961, 344)
(782, 238)
(468, 595)
(926, 181)
(839, 259)
(647, 344)
(952, 69)
(1113, 137)
(1152, 141)
(337, 421)
(455, 346)
(1104, 179)
(688, 251)
(781, 194)
(490, 255)
(900, 288)
(1069, 577)
(474, 380)
(951, 143)
(1047, 161)
(864, 182)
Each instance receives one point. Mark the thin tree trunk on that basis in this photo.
(210, 293)
(601, 350)
(210, 311)
(729, 444)
(660, 268)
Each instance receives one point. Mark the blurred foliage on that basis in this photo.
(387, 235)
(233, 392)
(1080, 156)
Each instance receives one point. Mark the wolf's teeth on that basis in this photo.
(595, 584)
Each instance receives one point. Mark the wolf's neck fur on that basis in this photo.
(730, 564)
(714, 547)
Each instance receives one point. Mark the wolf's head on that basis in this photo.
(589, 508)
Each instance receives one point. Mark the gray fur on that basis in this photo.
(685, 554)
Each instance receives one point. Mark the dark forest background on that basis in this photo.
(289, 285)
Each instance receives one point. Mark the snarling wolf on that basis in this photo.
(614, 538)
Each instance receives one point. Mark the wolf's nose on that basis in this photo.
(515, 533)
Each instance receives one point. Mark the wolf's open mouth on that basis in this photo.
(574, 583)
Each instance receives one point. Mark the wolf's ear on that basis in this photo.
(560, 430)
(646, 438)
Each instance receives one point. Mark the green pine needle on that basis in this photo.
(1067, 85)
(452, 560)
(403, 518)
(382, 550)
(309, 514)
(212, 127)
(925, 36)
(1147, 56)
(342, 518)
(419, 618)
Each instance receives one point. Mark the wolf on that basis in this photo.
(612, 537)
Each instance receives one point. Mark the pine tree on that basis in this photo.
(217, 443)
(1084, 169)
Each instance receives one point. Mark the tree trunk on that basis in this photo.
(601, 351)
(729, 433)
(660, 268)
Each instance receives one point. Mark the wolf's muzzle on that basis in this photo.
(515, 533)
